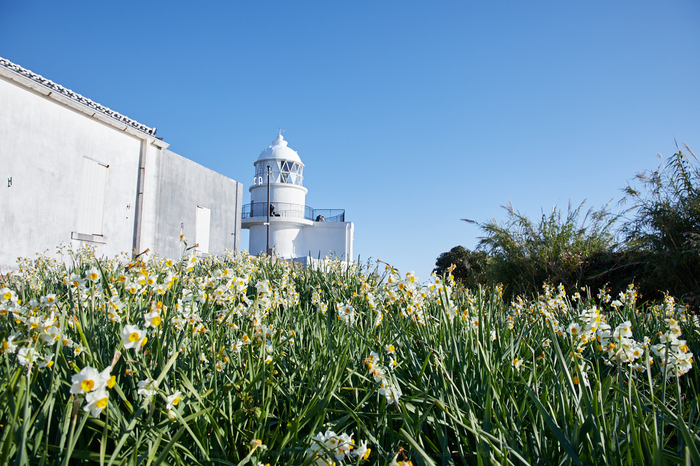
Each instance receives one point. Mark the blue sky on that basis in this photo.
(410, 115)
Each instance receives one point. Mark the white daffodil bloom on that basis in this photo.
(133, 337)
(96, 401)
(147, 387)
(88, 380)
(153, 318)
(27, 356)
(173, 400)
(9, 345)
(46, 361)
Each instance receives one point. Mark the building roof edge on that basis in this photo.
(37, 78)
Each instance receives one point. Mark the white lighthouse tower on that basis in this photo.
(296, 231)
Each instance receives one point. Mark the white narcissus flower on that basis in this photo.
(47, 361)
(623, 330)
(153, 318)
(27, 356)
(133, 337)
(574, 328)
(9, 345)
(237, 345)
(173, 400)
(76, 281)
(93, 274)
(346, 313)
(51, 335)
(89, 379)
(362, 451)
(96, 401)
(263, 287)
(147, 387)
(8, 295)
(344, 447)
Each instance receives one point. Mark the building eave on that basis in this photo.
(50, 89)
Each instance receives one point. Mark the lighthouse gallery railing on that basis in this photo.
(284, 209)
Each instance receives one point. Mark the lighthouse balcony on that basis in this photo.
(292, 211)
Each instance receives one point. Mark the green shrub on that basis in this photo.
(524, 254)
(664, 235)
(467, 267)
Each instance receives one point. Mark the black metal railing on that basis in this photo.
(329, 215)
(287, 210)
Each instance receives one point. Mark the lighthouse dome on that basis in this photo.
(284, 162)
(279, 150)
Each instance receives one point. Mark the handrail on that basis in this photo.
(288, 210)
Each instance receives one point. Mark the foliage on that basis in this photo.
(467, 267)
(244, 360)
(664, 235)
(524, 254)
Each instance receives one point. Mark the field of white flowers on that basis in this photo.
(246, 360)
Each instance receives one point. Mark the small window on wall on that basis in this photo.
(92, 197)
(202, 225)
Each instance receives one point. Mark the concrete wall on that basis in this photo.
(51, 147)
(181, 187)
(279, 192)
(315, 239)
(286, 239)
(329, 238)
(43, 145)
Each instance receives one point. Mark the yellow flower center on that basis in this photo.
(112, 380)
(133, 337)
(156, 321)
(87, 385)
(176, 401)
(102, 403)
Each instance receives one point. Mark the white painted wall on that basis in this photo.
(314, 239)
(181, 187)
(54, 148)
(279, 192)
(334, 239)
(286, 238)
(43, 145)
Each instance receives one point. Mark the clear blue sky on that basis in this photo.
(409, 114)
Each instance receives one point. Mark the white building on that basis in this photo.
(76, 173)
(296, 231)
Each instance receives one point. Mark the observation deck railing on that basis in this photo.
(287, 210)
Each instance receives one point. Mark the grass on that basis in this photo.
(281, 365)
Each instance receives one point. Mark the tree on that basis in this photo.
(469, 266)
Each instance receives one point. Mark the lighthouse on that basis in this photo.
(296, 231)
